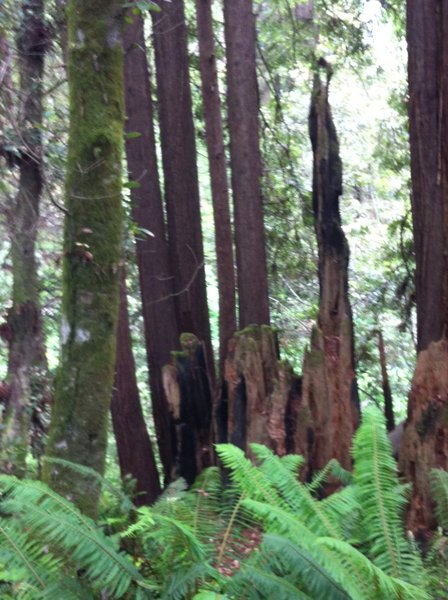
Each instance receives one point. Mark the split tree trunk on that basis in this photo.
(329, 385)
(265, 404)
(134, 449)
(424, 443)
(218, 176)
(156, 283)
(92, 251)
(178, 144)
(187, 386)
(27, 368)
(242, 105)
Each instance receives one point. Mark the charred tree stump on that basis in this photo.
(187, 386)
(329, 384)
(264, 401)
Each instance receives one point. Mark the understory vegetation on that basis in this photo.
(252, 530)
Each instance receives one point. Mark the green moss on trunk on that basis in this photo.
(92, 242)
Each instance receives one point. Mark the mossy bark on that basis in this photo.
(329, 384)
(92, 250)
(27, 372)
(263, 395)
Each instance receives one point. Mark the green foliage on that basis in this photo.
(265, 536)
(47, 541)
(439, 489)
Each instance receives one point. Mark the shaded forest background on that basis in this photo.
(280, 267)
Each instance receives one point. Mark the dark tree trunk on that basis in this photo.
(242, 104)
(180, 171)
(156, 283)
(329, 384)
(387, 393)
(187, 386)
(134, 449)
(218, 176)
(426, 31)
(27, 369)
(424, 443)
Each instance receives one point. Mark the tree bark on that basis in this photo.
(329, 384)
(264, 404)
(92, 251)
(134, 449)
(178, 144)
(218, 176)
(427, 60)
(27, 368)
(387, 394)
(156, 283)
(424, 443)
(187, 386)
(242, 105)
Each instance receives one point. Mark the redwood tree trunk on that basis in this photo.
(134, 449)
(329, 385)
(218, 176)
(424, 444)
(180, 171)
(27, 373)
(156, 283)
(242, 104)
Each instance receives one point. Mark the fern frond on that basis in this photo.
(383, 499)
(295, 495)
(332, 469)
(53, 521)
(260, 584)
(439, 489)
(370, 582)
(126, 503)
(249, 480)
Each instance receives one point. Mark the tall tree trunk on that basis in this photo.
(329, 384)
(27, 372)
(134, 449)
(180, 171)
(92, 251)
(156, 283)
(242, 104)
(424, 443)
(218, 176)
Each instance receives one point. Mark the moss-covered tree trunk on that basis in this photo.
(134, 448)
(27, 372)
(156, 284)
(218, 176)
(329, 385)
(242, 105)
(92, 250)
(424, 443)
